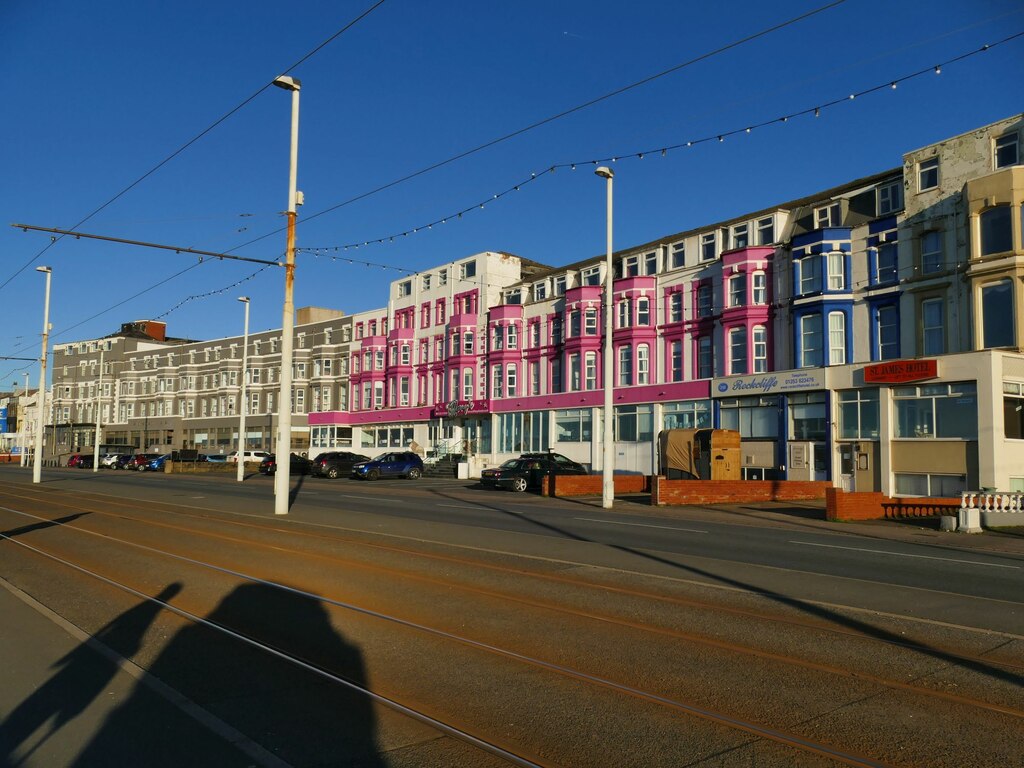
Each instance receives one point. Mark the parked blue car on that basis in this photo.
(395, 464)
(157, 464)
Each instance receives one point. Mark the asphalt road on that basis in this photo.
(549, 629)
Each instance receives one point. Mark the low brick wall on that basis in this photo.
(203, 467)
(684, 492)
(592, 485)
(10, 458)
(841, 505)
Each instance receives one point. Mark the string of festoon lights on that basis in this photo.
(714, 138)
(215, 292)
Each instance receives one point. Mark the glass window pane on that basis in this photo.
(911, 485)
(997, 314)
(996, 234)
(956, 417)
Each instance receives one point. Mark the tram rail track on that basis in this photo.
(755, 729)
(488, 744)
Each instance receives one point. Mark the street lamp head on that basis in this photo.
(244, 299)
(604, 172)
(288, 82)
(43, 269)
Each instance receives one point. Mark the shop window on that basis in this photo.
(808, 419)
(752, 417)
(941, 486)
(634, 423)
(937, 411)
(858, 414)
(1013, 410)
(573, 426)
(694, 414)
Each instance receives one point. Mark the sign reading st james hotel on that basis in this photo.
(768, 383)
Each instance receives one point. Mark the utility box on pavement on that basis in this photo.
(700, 454)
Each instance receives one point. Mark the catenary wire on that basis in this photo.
(192, 141)
(558, 116)
(718, 136)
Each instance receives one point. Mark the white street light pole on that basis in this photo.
(37, 465)
(23, 423)
(284, 420)
(99, 408)
(608, 460)
(241, 394)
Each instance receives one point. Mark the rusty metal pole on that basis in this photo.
(282, 474)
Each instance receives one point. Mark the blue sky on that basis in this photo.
(99, 94)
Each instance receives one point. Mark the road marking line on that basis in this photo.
(463, 506)
(639, 525)
(904, 554)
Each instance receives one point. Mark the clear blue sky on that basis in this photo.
(100, 93)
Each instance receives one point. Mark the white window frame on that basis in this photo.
(590, 370)
(1005, 142)
(837, 338)
(836, 264)
(928, 174)
(766, 231)
(827, 216)
(890, 198)
(811, 356)
(760, 349)
(737, 350)
(643, 364)
(739, 235)
(625, 365)
(677, 256)
(708, 246)
(643, 310)
(759, 288)
(737, 290)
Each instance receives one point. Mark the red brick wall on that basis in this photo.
(840, 505)
(734, 491)
(592, 485)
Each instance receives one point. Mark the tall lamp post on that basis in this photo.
(99, 408)
(608, 460)
(240, 455)
(23, 425)
(282, 476)
(37, 465)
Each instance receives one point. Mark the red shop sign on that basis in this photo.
(901, 371)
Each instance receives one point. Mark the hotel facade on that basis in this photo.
(871, 335)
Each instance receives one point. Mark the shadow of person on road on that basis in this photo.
(294, 712)
(81, 676)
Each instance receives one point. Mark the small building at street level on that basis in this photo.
(871, 335)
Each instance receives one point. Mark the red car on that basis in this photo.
(75, 460)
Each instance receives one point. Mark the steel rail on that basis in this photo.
(781, 737)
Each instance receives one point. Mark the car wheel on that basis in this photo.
(333, 473)
(519, 484)
(142, 469)
(373, 474)
(414, 473)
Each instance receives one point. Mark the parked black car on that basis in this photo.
(86, 462)
(336, 464)
(297, 466)
(528, 470)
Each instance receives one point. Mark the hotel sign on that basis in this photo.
(769, 383)
(457, 408)
(900, 371)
